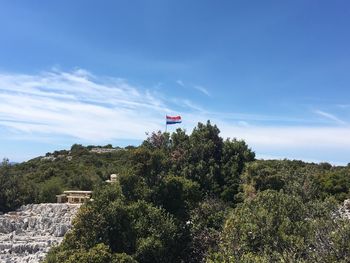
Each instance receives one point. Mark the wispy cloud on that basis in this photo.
(202, 89)
(179, 81)
(196, 87)
(330, 117)
(77, 104)
(291, 137)
(81, 105)
(343, 106)
(188, 105)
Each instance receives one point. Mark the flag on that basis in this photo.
(173, 120)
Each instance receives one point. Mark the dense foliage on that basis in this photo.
(189, 198)
(276, 227)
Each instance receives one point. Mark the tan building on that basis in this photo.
(74, 197)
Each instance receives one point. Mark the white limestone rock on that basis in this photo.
(345, 209)
(27, 234)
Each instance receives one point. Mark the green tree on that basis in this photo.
(276, 227)
(145, 232)
(10, 196)
(272, 224)
(97, 254)
(179, 151)
(234, 157)
(152, 165)
(157, 140)
(293, 177)
(335, 183)
(78, 150)
(203, 158)
(206, 222)
(178, 195)
(134, 187)
(49, 189)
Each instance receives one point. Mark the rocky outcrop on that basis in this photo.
(104, 150)
(345, 209)
(27, 234)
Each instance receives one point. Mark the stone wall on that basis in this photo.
(27, 234)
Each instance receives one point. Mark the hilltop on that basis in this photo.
(189, 198)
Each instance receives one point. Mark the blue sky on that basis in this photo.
(275, 73)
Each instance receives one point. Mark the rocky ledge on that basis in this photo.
(27, 234)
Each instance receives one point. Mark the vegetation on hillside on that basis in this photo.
(189, 198)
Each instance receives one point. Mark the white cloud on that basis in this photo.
(277, 136)
(202, 89)
(179, 81)
(343, 106)
(188, 104)
(196, 87)
(83, 106)
(292, 137)
(78, 105)
(330, 117)
(316, 143)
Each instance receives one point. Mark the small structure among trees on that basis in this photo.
(74, 197)
(113, 179)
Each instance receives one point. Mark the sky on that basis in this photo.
(274, 73)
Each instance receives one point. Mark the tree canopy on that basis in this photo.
(188, 198)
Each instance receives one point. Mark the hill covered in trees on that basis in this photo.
(189, 198)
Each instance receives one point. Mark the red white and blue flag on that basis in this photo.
(173, 119)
